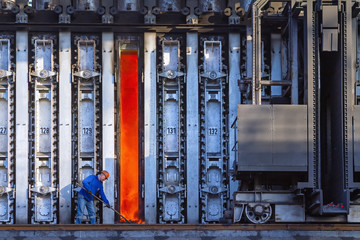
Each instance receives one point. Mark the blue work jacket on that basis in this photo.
(92, 183)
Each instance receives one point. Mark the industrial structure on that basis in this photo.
(202, 111)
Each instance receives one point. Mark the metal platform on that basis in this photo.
(241, 232)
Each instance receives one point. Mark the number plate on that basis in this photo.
(213, 131)
(44, 130)
(3, 130)
(87, 131)
(171, 131)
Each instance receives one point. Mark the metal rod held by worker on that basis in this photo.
(104, 203)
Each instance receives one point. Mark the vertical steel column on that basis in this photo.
(171, 131)
(150, 127)
(311, 94)
(350, 32)
(276, 65)
(86, 103)
(7, 130)
(192, 130)
(257, 50)
(234, 96)
(354, 94)
(294, 58)
(65, 168)
(43, 125)
(248, 60)
(108, 137)
(213, 130)
(22, 117)
(311, 76)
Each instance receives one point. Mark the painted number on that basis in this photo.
(213, 131)
(170, 131)
(3, 130)
(44, 130)
(87, 131)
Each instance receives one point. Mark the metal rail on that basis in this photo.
(186, 227)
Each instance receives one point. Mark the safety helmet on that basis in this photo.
(106, 173)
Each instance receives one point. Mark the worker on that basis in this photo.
(93, 185)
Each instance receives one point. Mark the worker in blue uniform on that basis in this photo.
(93, 185)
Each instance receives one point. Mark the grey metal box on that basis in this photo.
(272, 138)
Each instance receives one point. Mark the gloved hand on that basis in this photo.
(108, 206)
(90, 192)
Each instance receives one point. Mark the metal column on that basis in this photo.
(248, 59)
(171, 130)
(7, 130)
(234, 97)
(192, 130)
(65, 127)
(86, 103)
(213, 130)
(150, 127)
(43, 125)
(108, 137)
(22, 116)
(350, 29)
(311, 94)
(276, 63)
(311, 77)
(294, 58)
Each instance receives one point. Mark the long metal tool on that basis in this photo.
(104, 203)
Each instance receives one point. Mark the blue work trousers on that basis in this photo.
(82, 202)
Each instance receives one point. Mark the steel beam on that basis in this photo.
(249, 46)
(294, 58)
(275, 63)
(311, 68)
(192, 128)
(108, 129)
(256, 50)
(350, 46)
(150, 127)
(65, 168)
(234, 97)
(22, 128)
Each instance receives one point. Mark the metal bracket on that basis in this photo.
(4, 73)
(86, 74)
(171, 74)
(43, 190)
(64, 17)
(233, 6)
(107, 17)
(214, 190)
(171, 189)
(150, 18)
(21, 17)
(297, 8)
(5, 190)
(43, 73)
(213, 75)
(192, 18)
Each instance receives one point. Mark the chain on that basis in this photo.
(315, 97)
(346, 139)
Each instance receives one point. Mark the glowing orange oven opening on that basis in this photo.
(129, 135)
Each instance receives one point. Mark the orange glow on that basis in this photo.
(129, 141)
